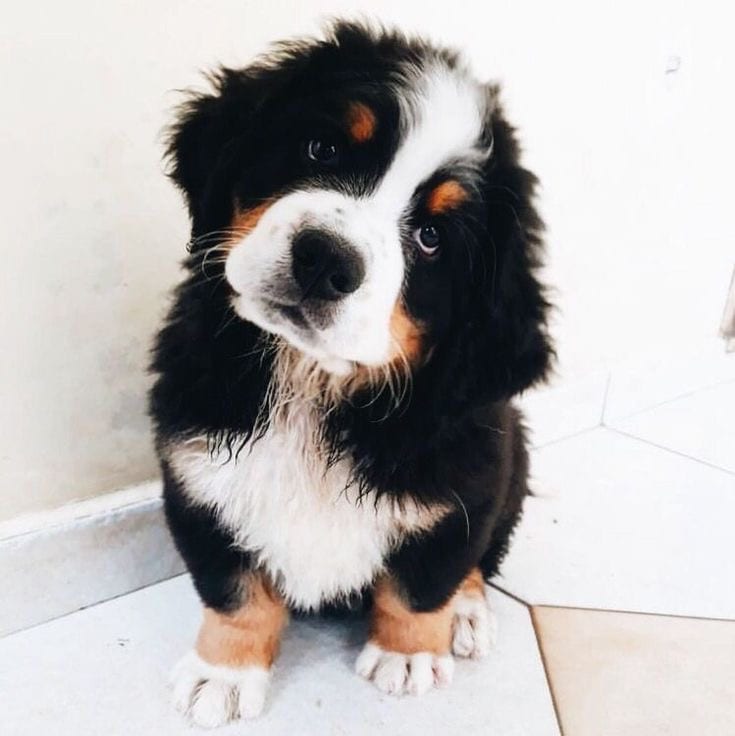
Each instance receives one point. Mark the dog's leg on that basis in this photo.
(429, 604)
(474, 627)
(227, 675)
(407, 651)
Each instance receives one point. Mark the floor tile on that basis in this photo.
(104, 671)
(620, 674)
(567, 405)
(643, 381)
(701, 425)
(617, 523)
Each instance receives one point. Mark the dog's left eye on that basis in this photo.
(322, 151)
(427, 238)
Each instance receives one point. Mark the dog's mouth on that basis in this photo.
(279, 316)
(291, 323)
(293, 313)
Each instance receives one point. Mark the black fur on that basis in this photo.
(454, 437)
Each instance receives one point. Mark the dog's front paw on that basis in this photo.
(474, 627)
(211, 696)
(400, 674)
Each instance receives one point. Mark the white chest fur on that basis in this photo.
(306, 528)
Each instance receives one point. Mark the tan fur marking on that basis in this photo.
(445, 197)
(361, 122)
(473, 585)
(395, 628)
(245, 221)
(416, 518)
(249, 636)
(406, 333)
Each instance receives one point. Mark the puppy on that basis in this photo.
(333, 381)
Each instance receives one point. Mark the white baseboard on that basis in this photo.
(57, 562)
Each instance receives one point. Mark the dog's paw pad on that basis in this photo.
(212, 696)
(474, 628)
(404, 674)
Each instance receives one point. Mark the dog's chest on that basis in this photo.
(300, 518)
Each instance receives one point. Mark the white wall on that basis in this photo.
(636, 165)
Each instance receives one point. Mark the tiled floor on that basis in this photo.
(617, 601)
(631, 673)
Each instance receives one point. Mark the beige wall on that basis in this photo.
(636, 164)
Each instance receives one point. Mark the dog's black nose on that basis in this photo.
(325, 267)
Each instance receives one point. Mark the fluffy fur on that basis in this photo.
(332, 394)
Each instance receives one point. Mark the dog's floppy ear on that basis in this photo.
(206, 130)
(518, 350)
(500, 344)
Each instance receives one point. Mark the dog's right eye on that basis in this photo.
(428, 239)
(323, 152)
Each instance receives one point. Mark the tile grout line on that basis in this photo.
(603, 411)
(678, 397)
(545, 665)
(537, 637)
(564, 438)
(510, 595)
(636, 438)
(627, 612)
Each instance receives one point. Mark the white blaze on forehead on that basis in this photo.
(442, 117)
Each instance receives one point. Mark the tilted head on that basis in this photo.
(363, 197)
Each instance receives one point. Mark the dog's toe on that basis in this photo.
(212, 704)
(396, 673)
(474, 627)
(212, 696)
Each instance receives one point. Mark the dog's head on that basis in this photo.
(364, 199)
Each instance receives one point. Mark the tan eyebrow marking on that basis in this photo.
(361, 122)
(445, 197)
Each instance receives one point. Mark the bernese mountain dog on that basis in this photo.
(333, 382)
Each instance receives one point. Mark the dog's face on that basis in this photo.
(344, 186)
(355, 220)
